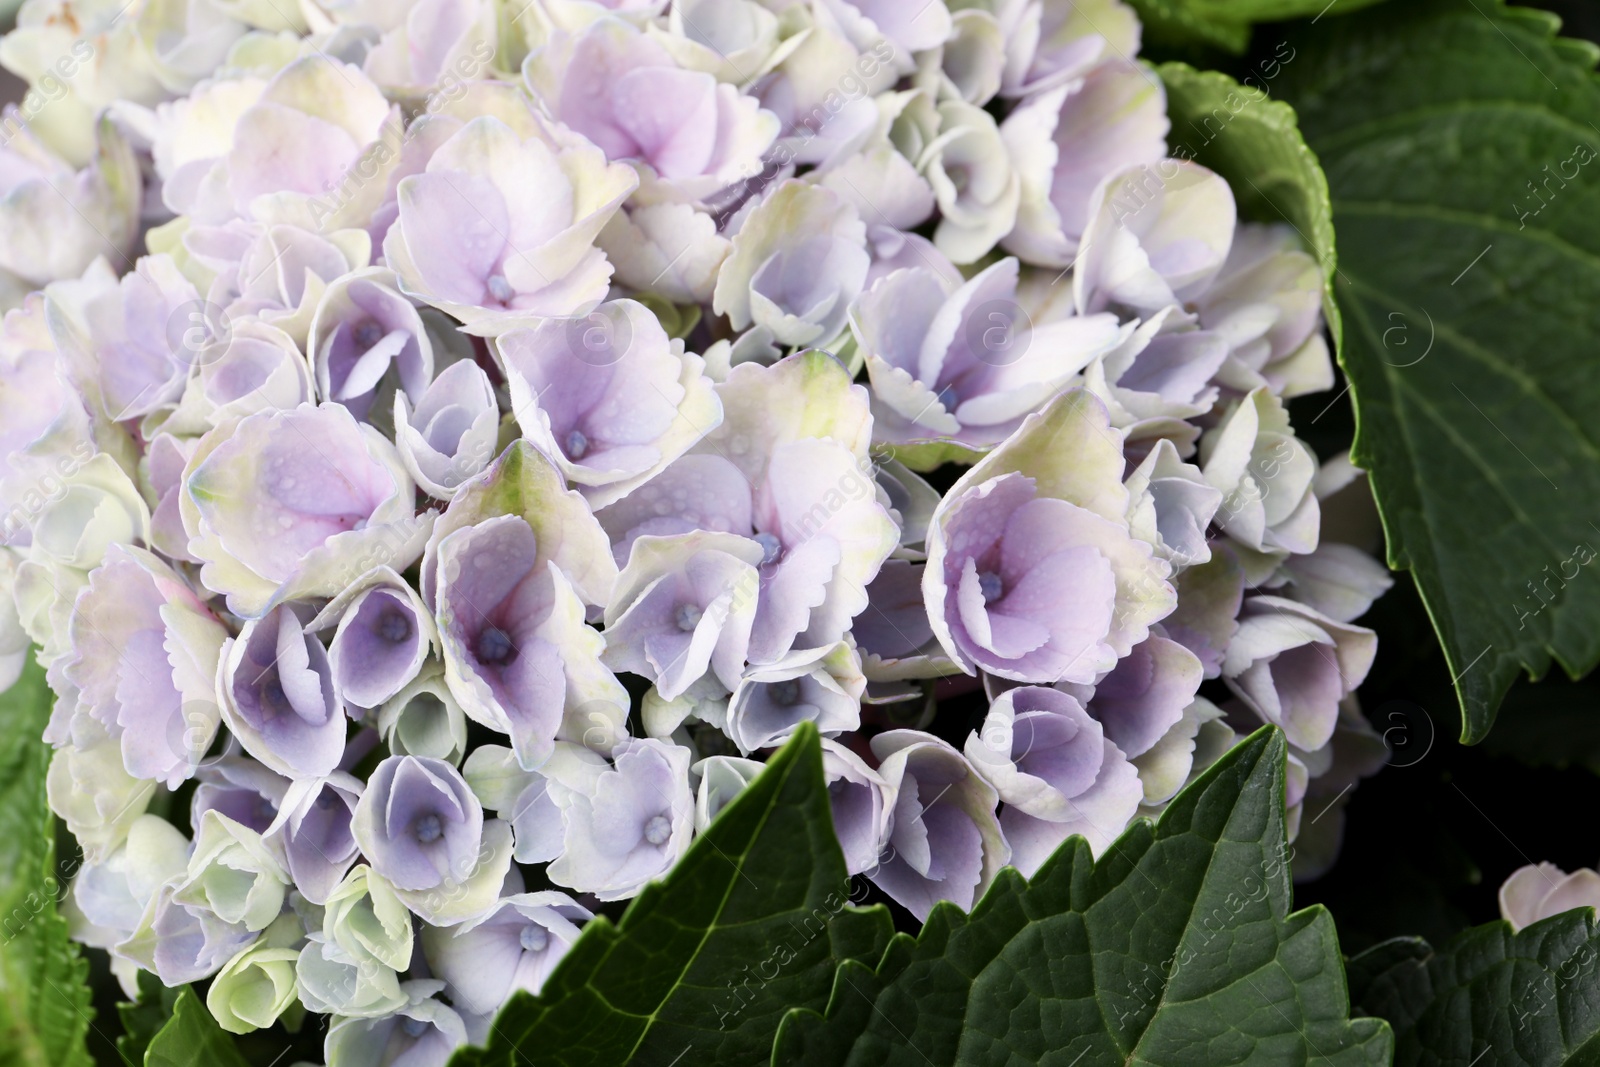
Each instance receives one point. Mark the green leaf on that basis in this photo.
(1225, 24)
(1472, 322)
(44, 994)
(702, 965)
(192, 1038)
(1177, 947)
(1254, 142)
(1177, 24)
(1529, 999)
(142, 1020)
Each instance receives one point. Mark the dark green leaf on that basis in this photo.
(1177, 947)
(141, 1021)
(702, 965)
(1175, 23)
(1471, 316)
(1225, 24)
(44, 993)
(192, 1038)
(1276, 10)
(1254, 142)
(1529, 999)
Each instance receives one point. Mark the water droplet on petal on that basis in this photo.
(535, 938)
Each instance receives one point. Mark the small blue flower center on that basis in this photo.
(394, 626)
(577, 445)
(494, 647)
(771, 547)
(990, 585)
(534, 938)
(368, 334)
(500, 289)
(689, 617)
(658, 830)
(948, 399)
(428, 829)
(785, 693)
(414, 1027)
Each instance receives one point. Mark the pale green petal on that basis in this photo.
(98, 799)
(234, 874)
(807, 395)
(1069, 449)
(523, 482)
(495, 777)
(367, 920)
(253, 989)
(424, 719)
(1165, 766)
(793, 212)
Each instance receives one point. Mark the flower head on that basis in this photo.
(1156, 235)
(531, 211)
(1056, 771)
(609, 398)
(795, 266)
(1033, 573)
(1293, 666)
(1067, 141)
(964, 366)
(684, 605)
(450, 433)
(945, 842)
(620, 88)
(145, 654)
(279, 697)
(55, 219)
(518, 655)
(382, 636)
(626, 823)
(309, 150)
(280, 504)
(1541, 890)
(313, 827)
(418, 823)
(514, 946)
(423, 1030)
(368, 341)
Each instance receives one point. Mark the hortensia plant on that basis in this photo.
(449, 446)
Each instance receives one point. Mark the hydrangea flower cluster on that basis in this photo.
(446, 444)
